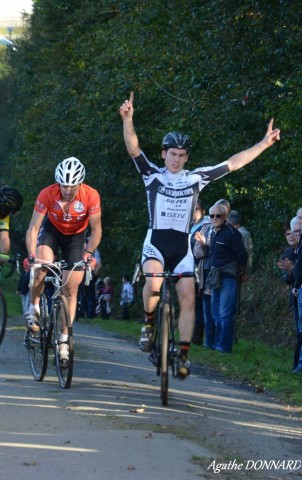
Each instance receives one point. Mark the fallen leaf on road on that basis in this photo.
(138, 410)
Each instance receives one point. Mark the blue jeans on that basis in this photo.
(209, 324)
(224, 301)
(298, 318)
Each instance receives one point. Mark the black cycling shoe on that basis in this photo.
(183, 368)
(64, 363)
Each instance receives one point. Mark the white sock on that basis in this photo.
(63, 337)
(34, 309)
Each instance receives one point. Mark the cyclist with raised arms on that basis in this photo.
(11, 202)
(172, 193)
(61, 216)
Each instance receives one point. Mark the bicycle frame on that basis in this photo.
(164, 350)
(52, 325)
(155, 356)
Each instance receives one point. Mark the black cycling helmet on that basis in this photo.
(11, 201)
(176, 140)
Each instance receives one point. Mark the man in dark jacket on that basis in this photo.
(287, 265)
(297, 292)
(228, 258)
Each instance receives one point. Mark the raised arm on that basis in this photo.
(241, 159)
(130, 137)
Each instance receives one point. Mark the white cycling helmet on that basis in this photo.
(70, 172)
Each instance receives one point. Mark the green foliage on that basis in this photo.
(9, 288)
(217, 70)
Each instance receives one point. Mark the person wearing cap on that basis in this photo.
(62, 213)
(172, 192)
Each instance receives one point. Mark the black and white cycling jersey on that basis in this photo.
(171, 199)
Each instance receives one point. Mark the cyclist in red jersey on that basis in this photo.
(172, 193)
(61, 216)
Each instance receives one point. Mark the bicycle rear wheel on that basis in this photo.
(61, 322)
(37, 344)
(3, 315)
(164, 372)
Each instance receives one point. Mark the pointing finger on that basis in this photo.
(270, 126)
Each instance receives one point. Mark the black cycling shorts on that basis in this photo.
(72, 246)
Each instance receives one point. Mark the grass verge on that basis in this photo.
(267, 369)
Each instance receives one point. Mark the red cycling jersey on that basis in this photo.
(87, 202)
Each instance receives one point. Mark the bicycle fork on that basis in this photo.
(155, 356)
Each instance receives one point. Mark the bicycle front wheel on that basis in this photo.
(37, 344)
(3, 315)
(62, 323)
(164, 372)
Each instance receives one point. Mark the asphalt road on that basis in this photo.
(111, 424)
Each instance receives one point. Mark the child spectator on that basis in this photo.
(106, 294)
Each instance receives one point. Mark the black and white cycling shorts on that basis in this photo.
(171, 248)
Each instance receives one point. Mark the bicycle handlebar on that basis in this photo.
(166, 274)
(59, 266)
(13, 262)
(169, 275)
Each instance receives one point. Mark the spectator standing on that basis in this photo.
(201, 251)
(87, 293)
(235, 219)
(297, 289)
(287, 265)
(199, 219)
(126, 297)
(228, 258)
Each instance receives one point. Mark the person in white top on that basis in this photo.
(126, 297)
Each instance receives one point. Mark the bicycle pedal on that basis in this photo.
(171, 361)
(26, 342)
(27, 345)
(155, 360)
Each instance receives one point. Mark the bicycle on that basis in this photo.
(14, 264)
(164, 351)
(52, 324)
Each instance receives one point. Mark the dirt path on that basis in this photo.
(111, 424)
